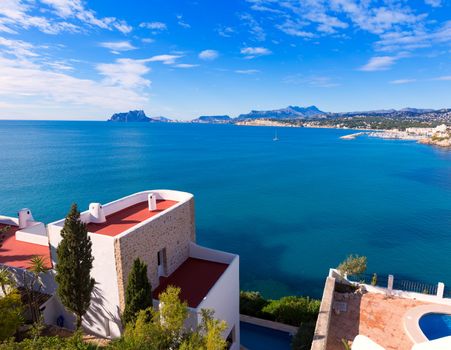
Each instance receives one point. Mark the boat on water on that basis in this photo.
(275, 138)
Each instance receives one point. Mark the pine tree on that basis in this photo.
(73, 269)
(138, 295)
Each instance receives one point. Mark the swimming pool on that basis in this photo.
(255, 337)
(435, 325)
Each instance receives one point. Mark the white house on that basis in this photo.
(158, 227)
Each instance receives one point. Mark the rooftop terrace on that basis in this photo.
(17, 253)
(195, 277)
(122, 220)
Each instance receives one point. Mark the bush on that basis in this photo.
(293, 310)
(252, 303)
(11, 309)
(353, 265)
(49, 343)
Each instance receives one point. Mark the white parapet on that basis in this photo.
(36, 234)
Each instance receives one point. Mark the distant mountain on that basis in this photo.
(391, 113)
(290, 112)
(215, 119)
(136, 116)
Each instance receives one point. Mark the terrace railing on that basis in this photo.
(402, 284)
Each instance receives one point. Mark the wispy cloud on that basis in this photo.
(157, 26)
(165, 59)
(251, 52)
(313, 80)
(379, 63)
(182, 23)
(402, 81)
(247, 71)
(118, 46)
(225, 32)
(433, 3)
(125, 72)
(444, 78)
(255, 29)
(186, 65)
(208, 55)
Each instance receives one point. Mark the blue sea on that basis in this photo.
(291, 209)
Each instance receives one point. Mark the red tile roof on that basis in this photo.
(195, 278)
(16, 253)
(124, 219)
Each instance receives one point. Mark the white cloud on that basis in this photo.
(125, 72)
(433, 3)
(225, 32)
(117, 46)
(186, 65)
(379, 63)
(19, 49)
(444, 78)
(247, 71)
(17, 14)
(255, 29)
(402, 81)
(20, 79)
(208, 55)
(166, 59)
(251, 52)
(154, 25)
(181, 22)
(147, 40)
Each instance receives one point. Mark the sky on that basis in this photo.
(83, 60)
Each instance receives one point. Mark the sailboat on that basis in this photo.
(275, 136)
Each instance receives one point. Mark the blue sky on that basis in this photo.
(75, 59)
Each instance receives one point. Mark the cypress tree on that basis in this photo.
(138, 295)
(73, 269)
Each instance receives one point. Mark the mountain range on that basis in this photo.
(288, 113)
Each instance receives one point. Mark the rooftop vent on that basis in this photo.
(25, 218)
(97, 214)
(152, 200)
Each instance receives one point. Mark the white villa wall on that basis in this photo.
(103, 316)
(224, 296)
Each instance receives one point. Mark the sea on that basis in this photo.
(291, 208)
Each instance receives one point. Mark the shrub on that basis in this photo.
(293, 310)
(11, 309)
(353, 265)
(252, 303)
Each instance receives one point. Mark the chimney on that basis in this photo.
(96, 213)
(25, 217)
(152, 200)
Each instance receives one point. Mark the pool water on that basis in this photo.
(255, 337)
(435, 325)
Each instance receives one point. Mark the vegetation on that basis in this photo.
(11, 309)
(252, 304)
(32, 284)
(73, 271)
(353, 265)
(164, 329)
(6, 280)
(293, 310)
(138, 295)
(49, 343)
(152, 330)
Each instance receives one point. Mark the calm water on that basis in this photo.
(291, 208)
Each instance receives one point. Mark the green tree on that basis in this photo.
(11, 309)
(138, 295)
(353, 265)
(73, 269)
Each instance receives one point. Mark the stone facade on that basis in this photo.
(172, 231)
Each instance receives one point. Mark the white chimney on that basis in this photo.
(25, 217)
(152, 200)
(97, 214)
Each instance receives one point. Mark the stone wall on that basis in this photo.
(174, 230)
